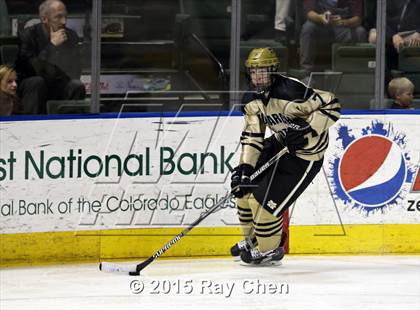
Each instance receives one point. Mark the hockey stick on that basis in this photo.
(135, 271)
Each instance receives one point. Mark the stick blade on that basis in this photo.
(116, 268)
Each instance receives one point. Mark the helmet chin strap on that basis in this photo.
(261, 89)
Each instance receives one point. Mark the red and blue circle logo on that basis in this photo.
(371, 170)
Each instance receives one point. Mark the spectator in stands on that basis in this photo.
(282, 12)
(401, 91)
(402, 28)
(403, 23)
(337, 19)
(8, 98)
(48, 61)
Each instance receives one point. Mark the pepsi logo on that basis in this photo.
(372, 169)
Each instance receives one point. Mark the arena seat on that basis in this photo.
(357, 64)
(409, 64)
(68, 106)
(8, 54)
(4, 19)
(210, 21)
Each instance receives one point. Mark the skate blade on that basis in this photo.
(264, 264)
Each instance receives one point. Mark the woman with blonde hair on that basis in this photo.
(8, 86)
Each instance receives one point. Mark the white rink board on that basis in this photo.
(180, 196)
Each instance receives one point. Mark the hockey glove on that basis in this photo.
(240, 181)
(295, 136)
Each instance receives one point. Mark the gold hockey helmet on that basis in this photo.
(262, 57)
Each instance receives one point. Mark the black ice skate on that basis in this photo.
(244, 245)
(255, 257)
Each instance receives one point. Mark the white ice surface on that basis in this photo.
(309, 282)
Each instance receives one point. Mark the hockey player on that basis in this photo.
(299, 117)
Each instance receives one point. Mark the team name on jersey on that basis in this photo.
(274, 119)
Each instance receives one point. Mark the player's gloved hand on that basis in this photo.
(295, 135)
(240, 180)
